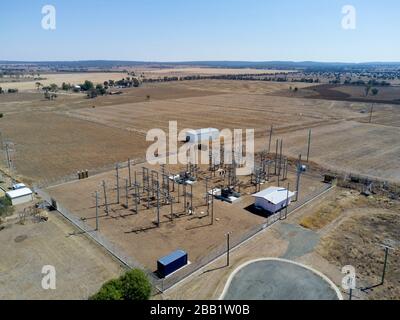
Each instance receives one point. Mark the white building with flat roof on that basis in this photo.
(202, 135)
(273, 199)
(20, 196)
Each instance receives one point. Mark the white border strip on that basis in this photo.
(324, 277)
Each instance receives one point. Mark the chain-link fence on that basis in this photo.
(164, 284)
(113, 249)
(47, 183)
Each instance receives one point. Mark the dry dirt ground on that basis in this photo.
(113, 128)
(137, 234)
(339, 242)
(59, 78)
(49, 145)
(390, 94)
(57, 138)
(81, 266)
(178, 72)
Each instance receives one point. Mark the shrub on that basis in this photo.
(6, 208)
(1, 115)
(109, 291)
(134, 285)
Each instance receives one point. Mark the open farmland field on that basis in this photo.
(49, 145)
(385, 93)
(59, 78)
(221, 111)
(351, 147)
(332, 121)
(191, 71)
(390, 95)
(57, 138)
(244, 87)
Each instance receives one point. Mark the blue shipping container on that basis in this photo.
(172, 263)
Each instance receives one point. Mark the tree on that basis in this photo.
(53, 87)
(1, 115)
(134, 285)
(38, 85)
(109, 291)
(6, 208)
(1, 90)
(136, 82)
(92, 93)
(367, 89)
(66, 86)
(375, 91)
(88, 85)
(100, 89)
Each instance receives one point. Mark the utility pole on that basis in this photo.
(117, 176)
(276, 156)
(184, 198)
(309, 145)
(371, 113)
(287, 201)
(97, 211)
(129, 173)
(280, 159)
(158, 204)
(299, 169)
(270, 139)
(228, 248)
(8, 156)
(105, 197)
(387, 248)
(171, 199)
(212, 208)
(126, 193)
(207, 197)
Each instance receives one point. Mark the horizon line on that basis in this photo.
(201, 61)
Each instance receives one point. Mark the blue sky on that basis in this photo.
(187, 30)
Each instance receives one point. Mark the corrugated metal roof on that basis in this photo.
(274, 195)
(18, 186)
(172, 257)
(19, 193)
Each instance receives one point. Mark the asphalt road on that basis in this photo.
(278, 280)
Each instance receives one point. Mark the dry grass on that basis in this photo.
(161, 72)
(356, 241)
(321, 218)
(59, 78)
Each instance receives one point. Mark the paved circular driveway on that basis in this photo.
(275, 279)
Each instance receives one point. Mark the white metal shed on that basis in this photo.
(273, 199)
(202, 135)
(20, 196)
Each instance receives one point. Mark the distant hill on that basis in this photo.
(305, 65)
